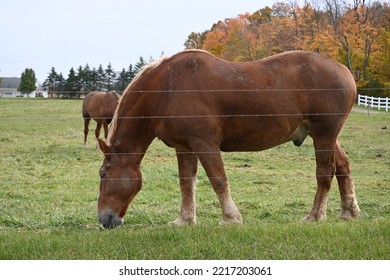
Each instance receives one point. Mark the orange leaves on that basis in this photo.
(351, 35)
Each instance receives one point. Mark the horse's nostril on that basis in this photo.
(110, 220)
(105, 219)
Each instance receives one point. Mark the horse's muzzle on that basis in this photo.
(110, 220)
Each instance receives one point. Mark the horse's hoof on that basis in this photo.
(179, 222)
(349, 215)
(232, 221)
(308, 219)
(313, 218)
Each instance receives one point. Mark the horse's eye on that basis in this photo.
(102, 175)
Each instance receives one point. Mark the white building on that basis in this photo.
(9, 88)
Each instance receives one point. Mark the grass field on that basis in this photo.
(49, 186)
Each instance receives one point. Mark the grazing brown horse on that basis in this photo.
(201, 105)
(99, 106)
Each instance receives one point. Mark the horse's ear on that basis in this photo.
(102, 146)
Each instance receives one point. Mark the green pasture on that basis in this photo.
(49, 186)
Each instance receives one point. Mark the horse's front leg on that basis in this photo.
(98, 128)
(86, 130)
(213, 165)
(188, 166)
(97, 132)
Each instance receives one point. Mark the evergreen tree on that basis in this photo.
(131, 73)
(122, 80)
(109, 77)
(94, 79)
(60, 83)
(101, 76)
(139, 65)
(81, 78)
(50, 82)
(72, 84)
(27, 82)
(87, 79)
(54, 82)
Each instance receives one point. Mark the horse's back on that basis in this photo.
(91, 102)
(295, 72)
(100, 104)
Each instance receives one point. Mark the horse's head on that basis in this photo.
(120, 181)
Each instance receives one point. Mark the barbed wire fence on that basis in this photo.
(6, 116)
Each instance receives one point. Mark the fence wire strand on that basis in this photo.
(175, 179)
(182, 116)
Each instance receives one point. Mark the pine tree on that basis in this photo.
(131, 73)
(50, 82)
(101, 76)
(94, 79)
(72, 84)
(122, 80)
(87, 79)
(54, 82)
(139, 65)
(81, 78)
(110, 77)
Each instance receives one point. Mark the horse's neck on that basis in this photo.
(131, 136)
(130, 131)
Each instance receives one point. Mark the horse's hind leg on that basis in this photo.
(349, 205)
(326, 167)
(86, 124)
(188, 167)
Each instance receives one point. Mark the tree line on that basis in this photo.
(355, 33)
(85, 79)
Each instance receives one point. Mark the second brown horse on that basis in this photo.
(101, 107)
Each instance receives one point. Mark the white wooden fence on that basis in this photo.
(374, 102)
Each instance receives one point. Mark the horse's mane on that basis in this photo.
(147, 68)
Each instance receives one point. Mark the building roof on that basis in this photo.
(10, 82)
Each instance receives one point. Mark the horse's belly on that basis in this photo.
(257, 136)
(251, 143)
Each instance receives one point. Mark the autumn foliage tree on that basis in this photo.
(355, 34)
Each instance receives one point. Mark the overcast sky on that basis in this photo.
(41, 34)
